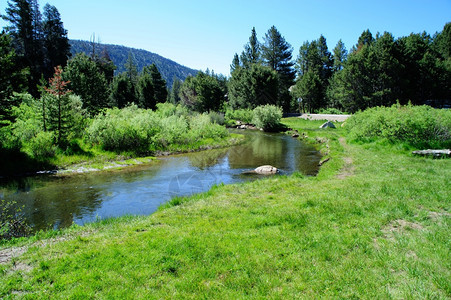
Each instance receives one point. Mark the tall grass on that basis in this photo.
(143, 131)
(418, 126)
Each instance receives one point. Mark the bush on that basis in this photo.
(127, 129)
(201, 127)
(216, 118)
(267, 117)
(141, 130)
(418, 126)
(41, 146)
(243, 115)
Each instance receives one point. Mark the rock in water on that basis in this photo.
(328, 124)
(266, 170)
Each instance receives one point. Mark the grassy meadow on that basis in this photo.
(374, 223)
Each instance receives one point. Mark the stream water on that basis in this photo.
(51, 201)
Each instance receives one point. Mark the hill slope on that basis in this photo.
(119, 55)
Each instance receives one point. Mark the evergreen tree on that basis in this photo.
(174, 96)
(131, 69)
(122, 91)
(146, 92)
(159, 84)
(25, 31)
(56, 42)
(12, 77)
(277, 54)
(106, 65)
(60, 93)
(251, 54)
(315, 60)
(366, 38)
(310, 89)
(235, 63)
(254, 86)
(87, 81)
(202, 93)
(340, 55)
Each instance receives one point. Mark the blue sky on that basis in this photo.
(206, 34)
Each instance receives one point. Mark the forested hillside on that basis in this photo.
(119, 56)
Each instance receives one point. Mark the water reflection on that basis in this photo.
(56, 202)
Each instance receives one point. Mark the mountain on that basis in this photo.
(119, 55)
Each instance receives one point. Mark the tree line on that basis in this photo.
(377, 71)
(33, 47)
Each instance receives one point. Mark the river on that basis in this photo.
(52, 201)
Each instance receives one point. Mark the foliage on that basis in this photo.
(254, 86)
(217, 118)
(277, 54)
(159, 84)
(251, 53)
(309, 89)
(12, 77)
(59, 93)
(202, 93)
(41, 146)
(142, 131)
(418, 126)
(243, 115)
(267, 117)
(87, 81)
(332, 236)
(56, 42)
(40, 44)
(174, 96)
(122, 91)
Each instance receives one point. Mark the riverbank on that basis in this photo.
(374, 223)
(93, 160)
(104, 163)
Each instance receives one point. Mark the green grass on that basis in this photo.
(375, 223)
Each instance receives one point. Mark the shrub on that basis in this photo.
(418, 126)
(141, 130)
(216, 118)
(171, 131)
(243, 115)
(127, 129)
(267, 117)
(41, 146)
(201, 127)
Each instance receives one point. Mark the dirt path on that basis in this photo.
(332, 118)
(348, 167)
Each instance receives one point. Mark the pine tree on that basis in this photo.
(122, 91)
(25, 31)
(174, 96)
(251, 54)
(59, 90)
(159, 84)
(340, 56)
(131, 69)
(87, 81)
(146, 92)
(277, 54)
(56, 41)
(235, 63)
(12, 77)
